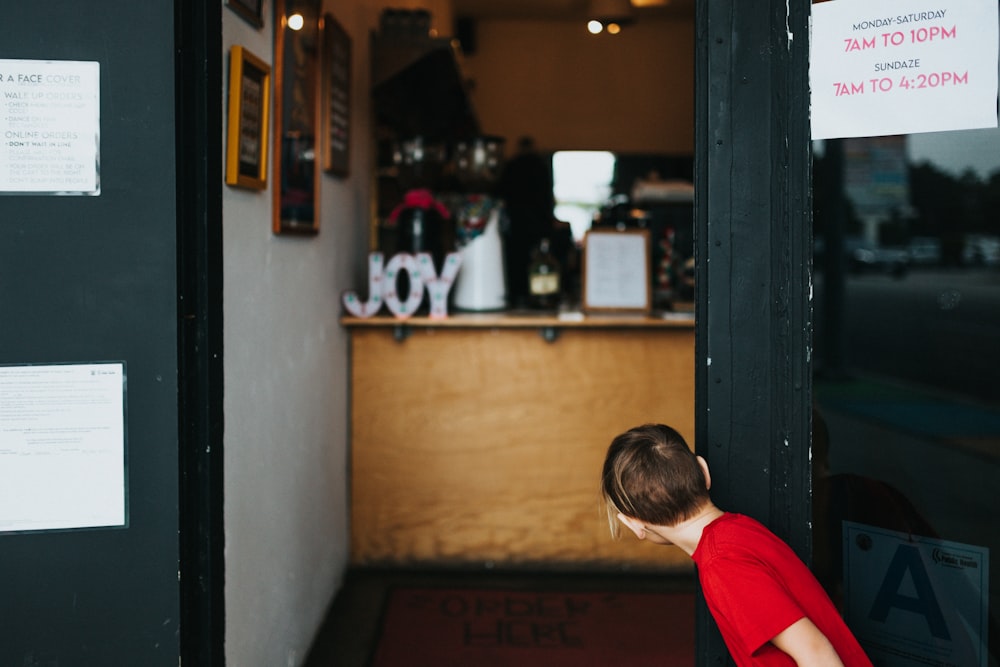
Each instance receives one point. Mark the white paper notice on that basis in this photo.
(914, 600)
(616, 270)
(882, 67)
(62, 447)
(49, 127)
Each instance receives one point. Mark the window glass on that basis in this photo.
(582, 183)
(907, 363)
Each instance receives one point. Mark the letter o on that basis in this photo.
(402, 262)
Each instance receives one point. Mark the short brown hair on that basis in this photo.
(652, 475)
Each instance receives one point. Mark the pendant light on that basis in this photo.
(609, 15)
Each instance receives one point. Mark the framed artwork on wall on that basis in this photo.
(336, 98)
(297, 147)
(251, 10)
(247, 136)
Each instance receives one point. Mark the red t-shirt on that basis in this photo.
(755, 586)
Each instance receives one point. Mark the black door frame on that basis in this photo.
(753, 218)
(753, 251)
(198, 73)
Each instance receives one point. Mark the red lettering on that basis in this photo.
(842, 89)
(932, 33)
(852, 44)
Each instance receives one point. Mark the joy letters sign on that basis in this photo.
(383, 284)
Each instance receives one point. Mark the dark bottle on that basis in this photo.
(544, 287)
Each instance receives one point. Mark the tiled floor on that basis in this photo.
(350, 630)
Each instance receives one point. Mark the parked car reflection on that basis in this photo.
(864, 256)
(925, 251)
(981, 250)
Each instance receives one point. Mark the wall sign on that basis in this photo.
(50, 127)
(251, 10)
(881, 67)
(62, 446)
(296, 174)
(916, 600)
(616, 267)
(249, 105)
(336, 98)
(383, 281)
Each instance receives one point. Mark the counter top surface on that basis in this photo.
(522, 319)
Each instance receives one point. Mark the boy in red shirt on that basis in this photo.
(769, 607)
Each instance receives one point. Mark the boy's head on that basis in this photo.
(650, 474)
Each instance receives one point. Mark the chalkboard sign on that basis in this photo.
(336, 97)
(616, 271)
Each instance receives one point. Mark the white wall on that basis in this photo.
(286, 385)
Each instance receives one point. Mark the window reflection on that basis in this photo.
(907, 319)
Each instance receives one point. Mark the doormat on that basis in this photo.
(454, 627)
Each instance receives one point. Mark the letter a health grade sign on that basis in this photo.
(916, 600)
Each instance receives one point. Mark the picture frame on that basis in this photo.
(252, 11)
(336, 98)
(616, 271)
(296, 147)
(249, 120)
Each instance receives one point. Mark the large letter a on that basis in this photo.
(907, 559)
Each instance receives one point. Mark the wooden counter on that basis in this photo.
(479, 439)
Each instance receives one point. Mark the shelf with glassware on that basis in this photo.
(435, 170)
(420, 110)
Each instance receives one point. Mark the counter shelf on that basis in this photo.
(474, 442)
(526, 320)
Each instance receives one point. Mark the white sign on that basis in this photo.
(62, 446)
(49, 127)
(616, 270)
(916, 600)
(382, 285)
(882, 67)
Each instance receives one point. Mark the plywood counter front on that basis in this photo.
(478, 440)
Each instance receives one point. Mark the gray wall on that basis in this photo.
(286, 386)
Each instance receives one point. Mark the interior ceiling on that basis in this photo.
(562, 9)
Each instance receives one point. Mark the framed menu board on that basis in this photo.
(336, 98)
(297, 140)
(616, 269)
(249, 102)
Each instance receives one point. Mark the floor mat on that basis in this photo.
(455, 627)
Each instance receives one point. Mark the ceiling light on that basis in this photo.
(594, 27)
(613, 28)
(296, 21)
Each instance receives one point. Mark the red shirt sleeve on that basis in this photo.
(749, 599)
